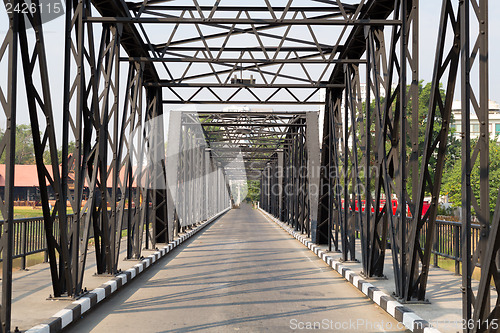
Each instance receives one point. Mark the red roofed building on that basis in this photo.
(26, 186)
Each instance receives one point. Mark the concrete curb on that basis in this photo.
(410, 319)
(74, 311)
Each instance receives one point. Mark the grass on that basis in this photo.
(449, 265)
(444, 263)
(23, 212)
(32, 259)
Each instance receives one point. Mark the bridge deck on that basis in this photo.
(241, 273)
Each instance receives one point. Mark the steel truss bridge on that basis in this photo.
(250, 55)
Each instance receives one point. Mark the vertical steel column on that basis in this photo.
(220, 188)
(107, 79)
(408, 103)
(266, 192)
(281, 193)
(136, 172)
(476, 307)
(321, 234)
(69, 253)
(348, 242)
(331, 166)
(401, 109)
(198, 187)
(367, 143)
(264, 189)
(272, 182)
(303, 184)
(207, 186)
(213, 187)
(182, 170)
(446, 62)
(467, 165)
(156, 153)
(117, 183)
(121, 190)
(295, 177)
(39, 98)
(313, 170)
(286, 182)
(199, 175)
(80, 169)
(190, 167)
(261, 188)
(172, 169)
(300, 180)
(354, 113)
(376, 222)
(8, 49)
(335, 215)
(392, 166)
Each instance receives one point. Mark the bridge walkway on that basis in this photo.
(241, 273)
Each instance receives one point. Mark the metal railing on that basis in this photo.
(447, 240)
(29, 237)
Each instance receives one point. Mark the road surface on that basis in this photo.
(240, 274)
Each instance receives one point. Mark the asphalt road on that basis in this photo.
(241, 274)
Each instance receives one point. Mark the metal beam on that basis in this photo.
(347, 8)
(242, 102)
(242, 21)
(312, 85)
(245, 61)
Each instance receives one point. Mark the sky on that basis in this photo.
(429, 16)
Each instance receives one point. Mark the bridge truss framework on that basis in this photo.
(119, 139)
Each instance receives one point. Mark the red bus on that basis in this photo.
(394, 203)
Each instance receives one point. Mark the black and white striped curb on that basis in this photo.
(74, 311)
(410, 319)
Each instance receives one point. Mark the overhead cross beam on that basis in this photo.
(180, 20)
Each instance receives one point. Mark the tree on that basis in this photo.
(253, 191)
(46, 154)
(452, 180)
(25, 151)
(424, 97)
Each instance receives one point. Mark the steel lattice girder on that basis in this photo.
(389, 124)
(229, 134)
(290, 181)
(192, 166)
(220, 68)
(434, 143)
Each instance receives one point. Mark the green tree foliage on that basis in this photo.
(25, 152)
(46, 154)
(424, 97)
(452, 178)
(25, 149)
(253, 191)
